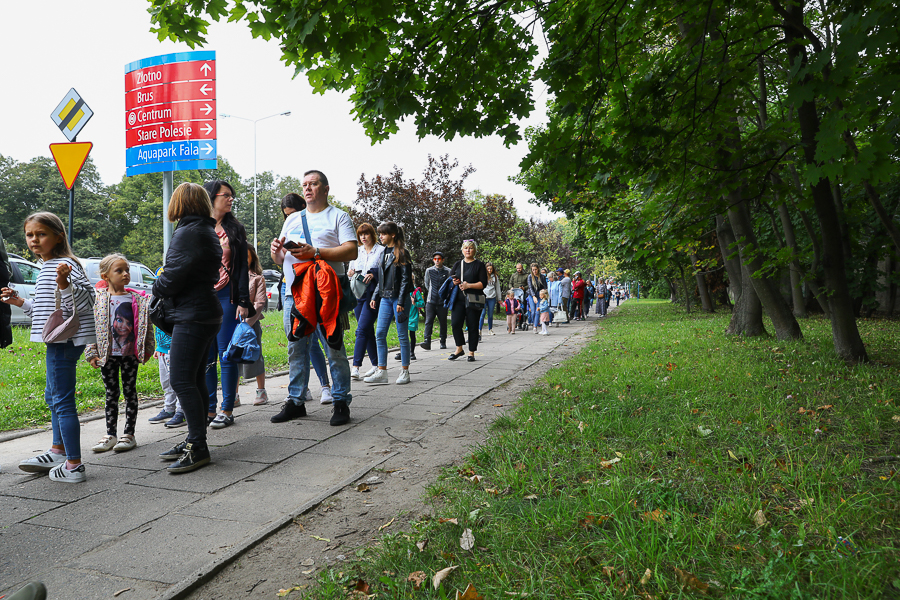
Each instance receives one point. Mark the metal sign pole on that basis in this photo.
(72, 210)
(167, 226)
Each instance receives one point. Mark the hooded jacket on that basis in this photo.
(317, 298)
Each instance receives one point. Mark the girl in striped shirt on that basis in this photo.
(60, 274)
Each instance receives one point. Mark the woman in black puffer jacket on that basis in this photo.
(187, 284)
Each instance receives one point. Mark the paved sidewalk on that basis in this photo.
(134, 526)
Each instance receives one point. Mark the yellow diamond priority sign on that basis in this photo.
(70, 159)
(71, 115)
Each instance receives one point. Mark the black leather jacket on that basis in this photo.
(191, 271)
(394, 281)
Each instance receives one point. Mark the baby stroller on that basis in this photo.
(521, 315)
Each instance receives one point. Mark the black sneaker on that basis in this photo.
(162, 417)
(193, 458)
(397, 356)
(289, 411)
(443, 345)
(340, 413)
(412, 356)
(426, 345)
(210, 419)
(175, 452)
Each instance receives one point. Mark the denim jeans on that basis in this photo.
(187, 373)
(299, 355)
(365, 333)
(386, 312)
(488, 310)
(59, 394)
(534, 315)
(230, 370)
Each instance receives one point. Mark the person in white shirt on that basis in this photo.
(369, 256)
(332, 239)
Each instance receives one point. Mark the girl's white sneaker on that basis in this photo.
(354, 373)
(404, 377)
(64, 475)
(125, 443)
(370, 372)
(105, 444)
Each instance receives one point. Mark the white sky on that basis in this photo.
(49, 46)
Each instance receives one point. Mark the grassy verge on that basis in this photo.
(667, 460)
(23, 374)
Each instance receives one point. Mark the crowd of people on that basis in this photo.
(212, 280)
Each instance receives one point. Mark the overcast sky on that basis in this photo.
(50, 46)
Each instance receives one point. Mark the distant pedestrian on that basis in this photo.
(124, 341)
(512, 307)
(544, 310)
(369, 257)
(578, 296)
(555, 297)
(61, 282)
(565, 294)
(601, 293)
(258, 297)
(435, 276)
(535, 284)
(588, 298)
(518, 282)
(187, 287)
(416, 307)
(469, 275)
(491, 293)
(391, 300)
(171, 414)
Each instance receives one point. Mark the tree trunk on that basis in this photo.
(729, 249)
(889, 267)
(795, 269)
(746, 318)
(687, 294)
(706, 301)
(673, 291)
(847, 341)
(784, 322)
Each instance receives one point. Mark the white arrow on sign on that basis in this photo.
(205, 69)
(207, 109)
(207, 129)
(205, 89)
(207, 149)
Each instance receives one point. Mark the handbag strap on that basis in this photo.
(74, 303)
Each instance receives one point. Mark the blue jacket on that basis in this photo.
(448, 292)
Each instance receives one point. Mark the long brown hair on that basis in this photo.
(253, 261)
(56, 227)
(400, 253)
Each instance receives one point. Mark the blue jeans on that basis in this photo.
(365, 333)
(62, 359)
(534, 315)
(386, 311)
(230, 370)
(488, 310)
(302, 351)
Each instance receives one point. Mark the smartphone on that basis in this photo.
(290, 245)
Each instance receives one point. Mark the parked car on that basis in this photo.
(142, 278)
(273, 287)
(24, 278)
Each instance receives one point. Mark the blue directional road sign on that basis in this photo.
(171, 156)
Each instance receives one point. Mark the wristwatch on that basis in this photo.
(317, 255)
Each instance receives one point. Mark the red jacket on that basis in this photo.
(317, 297)
(578, 289)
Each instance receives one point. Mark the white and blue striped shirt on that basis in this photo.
(43, 303)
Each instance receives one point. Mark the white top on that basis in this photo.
(493, 284)
(367, 260)
(328, 228)
(43, 302)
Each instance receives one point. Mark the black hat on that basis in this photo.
(437, 253)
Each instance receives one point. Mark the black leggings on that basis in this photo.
(465, 316)
(187, 374)
(128, 365)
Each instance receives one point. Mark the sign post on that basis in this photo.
(170, 118)
(71, 115)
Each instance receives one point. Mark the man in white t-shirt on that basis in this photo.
(333, 239)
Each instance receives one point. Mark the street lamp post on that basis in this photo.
(255, 121)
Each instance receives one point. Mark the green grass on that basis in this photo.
(740, 464)
(23, 374)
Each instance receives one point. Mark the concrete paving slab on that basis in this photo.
(165, 550)
(92, 514)
(262, 449)
(64, 583)
(311, 468)
(18, 510)
(99, 478)
(218, 474)
(443, 401)
(250, 502)
(145, 456)
(27, 546)
(417, 412)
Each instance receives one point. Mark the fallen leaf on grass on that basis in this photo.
(531, 497)
(361, 586)
(386, 525)
(421, 545)
(467, 541)
(731, 455)
(581, 426)
(592, 520)
(442, 575)
(608, 463)
(825, 407)
(690, 582)
(321, 539)
(469, 594)
(454, 520)
(703, 431)
(646, 578)
(417, 579)
(609, 571)
(896, 418)
(655, 515)
(476, 478)
(759, 517)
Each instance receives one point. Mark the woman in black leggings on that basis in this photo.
(470, 275)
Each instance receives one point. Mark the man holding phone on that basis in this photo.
(332, 239)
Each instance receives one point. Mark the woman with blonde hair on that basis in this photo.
(469, 275)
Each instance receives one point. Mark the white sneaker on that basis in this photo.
(308, 396)
(404, 377)
(64, 475)
(106, 443)
(354, 373)
(370, 372)
(237, 401)
(379, 377)
(125, 443)
(42, 463)
(326, 396)
(491, 331)
(262, 397)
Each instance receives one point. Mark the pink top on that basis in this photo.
(226, 259)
